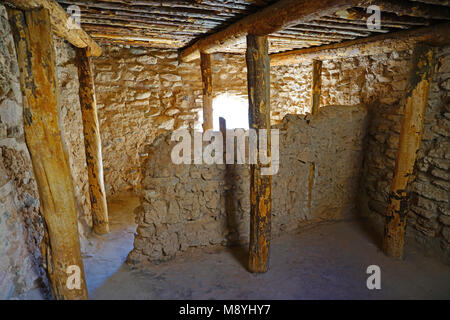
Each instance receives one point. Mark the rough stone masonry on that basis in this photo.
(184, 205)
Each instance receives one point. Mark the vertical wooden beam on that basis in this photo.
(410, 136)
(36, 58)
(92, 142)
(316, 86)
(205, 65)
(258, 75)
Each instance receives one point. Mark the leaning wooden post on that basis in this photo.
(205, 65)
(258, 75)
(92, 142)
(316, 86)
(36, 58)
(410, 136)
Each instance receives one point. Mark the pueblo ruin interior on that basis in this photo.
(226, 149)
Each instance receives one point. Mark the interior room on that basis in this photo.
(229, 149)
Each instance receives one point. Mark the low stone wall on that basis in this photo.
(185, 205)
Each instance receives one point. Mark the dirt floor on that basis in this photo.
(328, 261)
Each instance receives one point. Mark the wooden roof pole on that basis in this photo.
(92, 142)
(410, 136)
(36, 58)
(316, 87)
(278, 16)
(258, 74)
(438, 35)
(60, 23)
(205, 65)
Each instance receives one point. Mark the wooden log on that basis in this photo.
(209, 5)
(360, 15)
(138, 43)
(258, 75)
(343, 26)
(205, 65)
(151, 13)
(60, 23)
(188, 10)
(437, 2)
(316, 87)
(437, 35)
(313, 29)
(92, 142)
(415, 9)
(161, 42)
(312, 35)
(36, 58)
(363, 24)
(278, 16)
(410, 136)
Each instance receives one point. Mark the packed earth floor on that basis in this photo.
(326, 261)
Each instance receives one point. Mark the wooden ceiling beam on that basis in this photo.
(360, 15)
(59, 21)
(328, 30)
(437, 2)
(114, 14)
(137, 38)
(415, 9)
(187, 11)
(139, 24)
(437, 35)
(343, 26)
(137, 43)
(280, 15)
(227, 6)
(130, 32)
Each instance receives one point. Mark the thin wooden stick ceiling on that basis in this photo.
(178, 24)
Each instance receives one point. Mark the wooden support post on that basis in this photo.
(36, 58)
(62, 24)
(316, 86)
(92, 142)
(258, 75)
(409, 143)
(205, 64)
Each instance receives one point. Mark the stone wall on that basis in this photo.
(185, 205)
(142, 93)
(379, 81)
(20, 221)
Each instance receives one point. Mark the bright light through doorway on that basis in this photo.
(233, 109)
